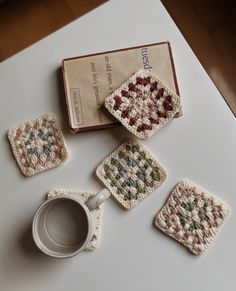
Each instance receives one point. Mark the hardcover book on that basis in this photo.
(89, 79)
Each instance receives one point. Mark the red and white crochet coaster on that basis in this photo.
(38, 144)
(192, 216)
(143, 104)
(96, 214)
(131, 173)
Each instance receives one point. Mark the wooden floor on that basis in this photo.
(208, 26)
(23, 22)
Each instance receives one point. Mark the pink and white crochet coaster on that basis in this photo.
(96, 214)
(131, 173)
(192, 216)
(38, 144)
(143, 104)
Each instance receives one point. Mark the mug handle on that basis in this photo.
(97, 199)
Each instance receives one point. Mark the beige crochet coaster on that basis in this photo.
(192, 216)
(131, 173)
(38, 144)
(143, 104)
(96, 213)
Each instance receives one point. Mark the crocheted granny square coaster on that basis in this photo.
(131, 173)
(38, 144)
(192, 216)
(96, 214)
(143, 104)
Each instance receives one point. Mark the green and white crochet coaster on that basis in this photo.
(38, 144)
(96, 213)
(192, 216)
(131, 173)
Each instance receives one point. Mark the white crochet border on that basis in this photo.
(133, 129)
(130, 204)
(11, 135)
(186, 184)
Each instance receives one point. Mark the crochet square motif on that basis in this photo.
(192, 216)
(131, 173)
(143, 104)
(96, 214)
(38, 144)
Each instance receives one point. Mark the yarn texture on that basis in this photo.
(131, 173)
(192, 216)
(143, 104)
(38, 144)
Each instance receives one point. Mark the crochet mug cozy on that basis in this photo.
(38, 144)
(192, 216)
(143, 104)
(131, 173)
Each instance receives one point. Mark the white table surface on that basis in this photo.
(200, 146)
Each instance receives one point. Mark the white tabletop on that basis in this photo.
(200, 146)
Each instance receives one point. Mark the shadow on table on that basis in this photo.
(62, 101)
(27, 244)
(22, 261)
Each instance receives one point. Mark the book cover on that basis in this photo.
(89, 79)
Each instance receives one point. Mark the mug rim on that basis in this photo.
(38, 241)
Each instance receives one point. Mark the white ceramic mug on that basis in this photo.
(63, 226)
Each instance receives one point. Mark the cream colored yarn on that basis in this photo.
(143, 104)
(38, 144)
(131, 173)
(192, 216)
